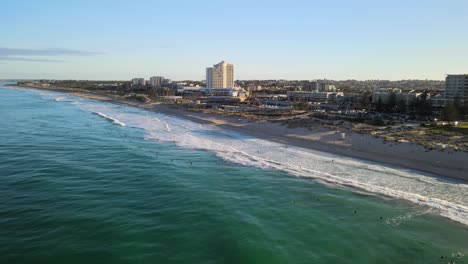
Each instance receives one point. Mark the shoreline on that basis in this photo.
(439, 164)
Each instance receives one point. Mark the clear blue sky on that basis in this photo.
(361, 39)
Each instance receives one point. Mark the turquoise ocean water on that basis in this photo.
(83, 181)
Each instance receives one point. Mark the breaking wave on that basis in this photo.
(448, 198)
(114, 120)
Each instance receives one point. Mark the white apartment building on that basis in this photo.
(156, 81)
(323, 87)
(138, 81)
(456, 85)
(318, 87)
(220, 75)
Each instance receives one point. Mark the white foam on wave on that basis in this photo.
(114, 120)
(56, 96)
(166, 125)
(63, 99)
(397, 220)
(449, 198)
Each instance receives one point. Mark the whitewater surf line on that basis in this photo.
(114, 120)
(448, 197)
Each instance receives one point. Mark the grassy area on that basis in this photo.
(462, 128)
(463, 125)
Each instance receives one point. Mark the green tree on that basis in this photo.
(424, 104)
(392, 102)
(460, 106)
(450, 112)
(365, 99)
(401, 106)
(379, 106)
(301, 105)
(465, 110)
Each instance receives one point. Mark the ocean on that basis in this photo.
(84, 181)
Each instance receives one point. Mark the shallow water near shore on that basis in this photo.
(86, 181)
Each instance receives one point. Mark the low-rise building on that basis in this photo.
(384, 96)
(232, 92)
(313, 96)
(438, 101)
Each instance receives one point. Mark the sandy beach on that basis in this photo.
(366, 147)
(439, 163)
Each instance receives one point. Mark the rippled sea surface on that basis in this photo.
(81, 184)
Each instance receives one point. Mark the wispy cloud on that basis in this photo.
(9, 58)
(12, 54)
(46, 52)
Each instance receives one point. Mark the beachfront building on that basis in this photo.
(273, 101)
(438, 101)
(189, 90)
(156, 81)
(408, 98)
(232, 92)
(456, 86)
(384, 96)
(313, 86)
(219, 92)
(324, 87)
(221, 75)
(254, 88)
(138, 82)
(323, 97)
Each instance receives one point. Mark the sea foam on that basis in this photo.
(114, 120)
(449, 198)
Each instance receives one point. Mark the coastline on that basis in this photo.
(363, 147)
(440, 164)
